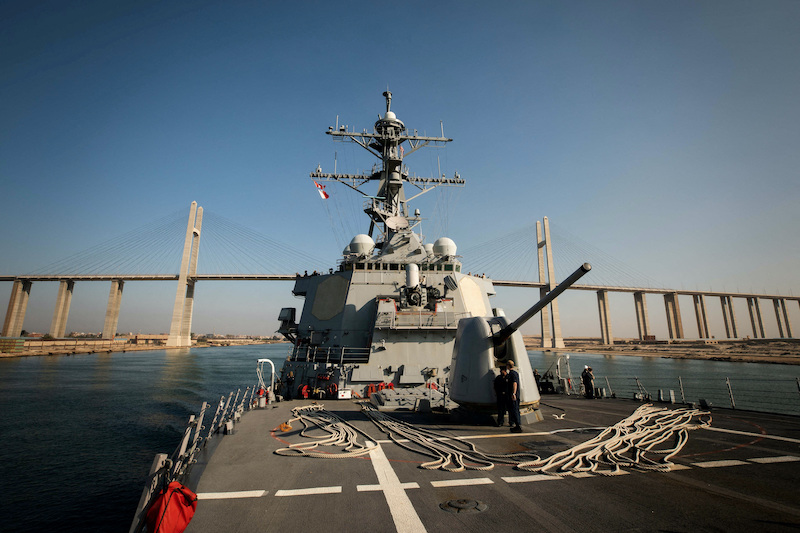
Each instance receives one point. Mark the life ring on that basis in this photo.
(332, 390)
(303, 391)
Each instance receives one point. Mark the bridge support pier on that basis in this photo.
(605, 317)
(783, 321)
(550, 338)
(58, 326)
(642, 320)
(17, 305)
(673, 316)
(112, 310)
(729, 317)
(755, 318)
(180, 331)
(700, 315)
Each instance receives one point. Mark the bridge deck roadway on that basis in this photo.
(292, 277)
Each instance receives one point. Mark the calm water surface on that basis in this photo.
(80, 432)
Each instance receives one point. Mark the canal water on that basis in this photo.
(79, 432)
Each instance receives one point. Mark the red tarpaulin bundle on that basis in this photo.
(172, 510)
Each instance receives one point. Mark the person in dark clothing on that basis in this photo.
(513, 398)
(588, 382)
(501, 391)
(289, 383)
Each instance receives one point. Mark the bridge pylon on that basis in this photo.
(180, 331)
(551, 329)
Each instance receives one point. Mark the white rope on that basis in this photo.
(628, 443)
(339, 433)
(449, 453)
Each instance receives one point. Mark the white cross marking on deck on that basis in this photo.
(462, 482)
(309, 491)
(778, 459)
(714, 464)
(405, 517)
(228, 495)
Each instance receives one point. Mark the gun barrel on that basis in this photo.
(501, 336)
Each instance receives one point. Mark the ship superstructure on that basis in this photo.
(389, 312)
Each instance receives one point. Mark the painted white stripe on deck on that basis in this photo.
(309, 491)
(230, 495)
(714, 464)
(677, 466)
(370, 488)
(528, 479)
(748, 434)
(778, 459)
(405, 517)
(462, 482)
(501, 435)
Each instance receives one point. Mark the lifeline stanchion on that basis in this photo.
(730, 392)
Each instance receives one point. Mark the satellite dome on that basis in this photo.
(390, 116)
(346, 250)
(361, 244)
(428, 248)
(444, 246)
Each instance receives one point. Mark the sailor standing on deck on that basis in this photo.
(501, 391)
(513, 399)
(588, 382)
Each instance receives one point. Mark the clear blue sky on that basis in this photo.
(667, 134)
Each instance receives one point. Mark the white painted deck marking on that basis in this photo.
(715, 464)
(748, 434)
(528, 479)
(405, 517)
(230, 495)
(309, 491)
(370, 488)
(778, 459)
(462, 482)
(677, 466)
(583, 474)
(502, 435)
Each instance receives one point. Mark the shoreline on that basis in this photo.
(116, 348)
(773, 351)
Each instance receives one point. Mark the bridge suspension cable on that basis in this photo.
(153, 249)
(514, 257)
(226, 247)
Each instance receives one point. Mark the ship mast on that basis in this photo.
(388, 209)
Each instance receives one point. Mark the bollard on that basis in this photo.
(671, 396)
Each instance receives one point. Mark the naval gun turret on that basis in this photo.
(483, 344)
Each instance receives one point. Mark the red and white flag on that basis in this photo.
(321, 190)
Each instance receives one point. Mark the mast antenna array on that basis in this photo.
(386, 143)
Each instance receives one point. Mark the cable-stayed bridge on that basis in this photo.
(232, 252)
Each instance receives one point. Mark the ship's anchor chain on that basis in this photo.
(627, 444)
(339, 433)
(450, 453)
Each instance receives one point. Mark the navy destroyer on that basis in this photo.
(400, 324)
(390, 314)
